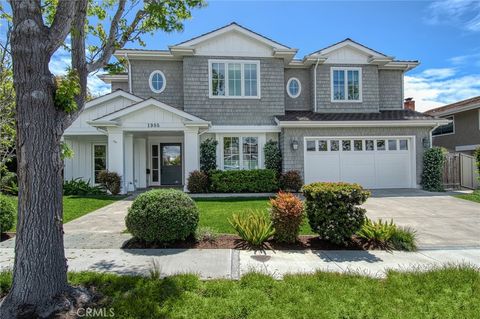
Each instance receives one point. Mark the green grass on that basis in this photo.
(77, 206)
(444, 293)
(215, 212)
(474, 197)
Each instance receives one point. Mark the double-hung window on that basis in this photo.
(240, 152)
(234, 79)
(346, 84)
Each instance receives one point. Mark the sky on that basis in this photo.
(443, 35)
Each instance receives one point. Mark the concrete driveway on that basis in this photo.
(441, 220)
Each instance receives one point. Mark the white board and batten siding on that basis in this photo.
(81, 165)
(375, 168)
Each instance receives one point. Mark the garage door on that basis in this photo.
(370, 162)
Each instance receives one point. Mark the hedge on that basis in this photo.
(244, 181)
(432, 175)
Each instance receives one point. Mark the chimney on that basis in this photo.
(409, 104)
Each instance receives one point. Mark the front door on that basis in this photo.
(171, 164)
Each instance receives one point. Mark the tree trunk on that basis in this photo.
(40, 269)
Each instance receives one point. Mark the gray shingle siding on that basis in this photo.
(173, 71)
(234, 111)
(304, 101)
(370, 96)
(120, 85)
(390, 89)
(293, 160)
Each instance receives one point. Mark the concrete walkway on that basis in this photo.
(232, 264)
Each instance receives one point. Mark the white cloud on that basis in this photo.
(438, 74)
(461, 13)
(96, 86)
(433, 92)
(467, 59)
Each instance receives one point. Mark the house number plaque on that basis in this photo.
(152, 125)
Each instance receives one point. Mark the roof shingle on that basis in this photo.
(388, 115)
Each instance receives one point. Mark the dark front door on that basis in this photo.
(171, 164)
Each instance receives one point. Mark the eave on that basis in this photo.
(403, 123)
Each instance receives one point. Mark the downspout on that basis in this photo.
(315, 85)
(129, 74)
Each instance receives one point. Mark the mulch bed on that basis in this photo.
(234, 242)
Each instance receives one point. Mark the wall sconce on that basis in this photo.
(294, 144)
(426, 142)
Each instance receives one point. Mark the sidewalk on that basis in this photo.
(232, 264)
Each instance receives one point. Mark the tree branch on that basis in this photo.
(61, 25)
(109, 46)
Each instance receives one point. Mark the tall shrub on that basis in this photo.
(273, 156)
(477, 158)
(286, 212)
(111, 181)
(208, 155)
(332, 209)
(432, 175)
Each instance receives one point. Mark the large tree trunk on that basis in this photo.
(40, 269)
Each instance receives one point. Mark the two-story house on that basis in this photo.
(337, 114)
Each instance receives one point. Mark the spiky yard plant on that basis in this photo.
(254, 227)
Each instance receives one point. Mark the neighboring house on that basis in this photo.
(463, 133)
(337, 114)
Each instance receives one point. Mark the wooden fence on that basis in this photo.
(460, 171)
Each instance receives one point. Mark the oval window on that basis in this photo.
(293, 87)
(157, 81)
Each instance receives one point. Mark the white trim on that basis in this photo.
(288, 87)
(242, 79)
(356, 46)
(466, 147)
(452, 121)
(93, 160)
(345, 69)
(110, 96)
(428, 123)
(261, 140)
(164, 82)
(412, 149)
(147, 103)
(244, 129)
(109, 78)
(233, 27)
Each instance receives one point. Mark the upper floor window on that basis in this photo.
(294, 87)
(445, 129)
(346, 84)
(157, 81)
(234, 79)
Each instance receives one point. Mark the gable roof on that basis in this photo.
(233, 27)
(348, 42)
(146, 103)
(111, 96)
(460, 106)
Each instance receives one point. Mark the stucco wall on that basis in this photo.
(293, 160)
(467, 131)
(234, 111)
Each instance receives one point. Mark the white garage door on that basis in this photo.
(371, 162)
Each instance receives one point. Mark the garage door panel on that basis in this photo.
(322, 168)
(385, 167)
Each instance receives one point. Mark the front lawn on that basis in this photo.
(77, 206)
(215, 212)
(444, 293)
(474, 197)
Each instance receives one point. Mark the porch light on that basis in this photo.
(294, 144)
(426, 142)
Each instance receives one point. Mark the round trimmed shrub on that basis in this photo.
(291, 181)
(164, 215)
(7, 215)
(332, 210)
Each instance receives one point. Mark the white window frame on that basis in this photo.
(299, 87)
(150, 81)
(242, 76)
(345, 69)
(261, 140)
(93, 160)
(453, 124)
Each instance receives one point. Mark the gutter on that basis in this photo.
(129, 73)
(315, 83)
(412, 123)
